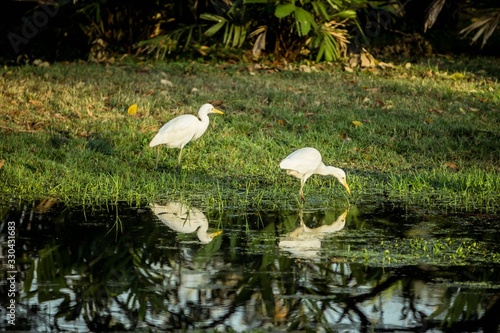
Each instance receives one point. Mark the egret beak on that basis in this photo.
(214, 110)
(215, 234)
(344, 214)
(343, 181)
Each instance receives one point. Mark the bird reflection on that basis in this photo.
(305, 242)
(183, 218)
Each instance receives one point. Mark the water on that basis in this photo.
(376, 267)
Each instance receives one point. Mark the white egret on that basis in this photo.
(184, 219)
(182, 129)
(305, 162)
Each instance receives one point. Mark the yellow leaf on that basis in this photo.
(457, 76)
(357, 123)
(132, 110)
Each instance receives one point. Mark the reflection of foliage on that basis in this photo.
(418, 250)
(96, 273)
(147, 278)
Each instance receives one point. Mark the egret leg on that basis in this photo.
(157, 155)
(301, 194)
(179, 159)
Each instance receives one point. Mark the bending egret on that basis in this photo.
(183, 129)
(305, 242)
(305, 162)
(184, 219)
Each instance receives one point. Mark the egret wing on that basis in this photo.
(177, 132)
(303, 160)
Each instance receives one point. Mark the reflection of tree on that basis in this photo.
(96, 275)
(325, 293)
(147, 277)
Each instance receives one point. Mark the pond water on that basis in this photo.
(167, 267)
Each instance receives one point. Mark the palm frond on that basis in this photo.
(432, 13)
(485, 26)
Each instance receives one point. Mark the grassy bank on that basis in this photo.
(426, 134)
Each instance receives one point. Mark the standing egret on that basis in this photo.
(183, 129)
(305, 162)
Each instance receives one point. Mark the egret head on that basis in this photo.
(209, 108)
(342, 178)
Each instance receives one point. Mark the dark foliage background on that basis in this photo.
(98, 30)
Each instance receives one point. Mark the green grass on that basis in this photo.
(429, 135)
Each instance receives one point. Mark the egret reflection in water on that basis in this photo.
(184, 218)
(305, 242)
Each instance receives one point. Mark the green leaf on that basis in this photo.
(334, 4)
(284, 10)
(237, 34)
(228, 33)
(328, 48)
(346, 14)
(212, 17)
(214, 29)
(320, 9)
(304, 20)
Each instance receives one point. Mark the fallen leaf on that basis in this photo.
(354, 61)
(457, 76)
(428, 74)
(348, 69)
(451, 166)
(357, 123)
(408, 65)
(345, 137)
(2, 162)
(35, 103)
(367, 60)
(371, 90)
(166, 82)
(388, 104)
(89, 112)
(132, 110)
(437, 111)
(384, 65)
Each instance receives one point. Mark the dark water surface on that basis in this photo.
(373, 268)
